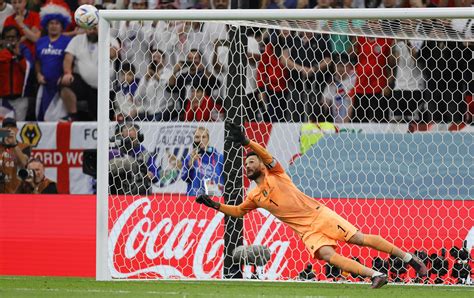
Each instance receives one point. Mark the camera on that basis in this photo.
(26, 174)
(116, 142)
(128, 175)
(10, 46)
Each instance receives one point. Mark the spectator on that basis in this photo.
(79, 83)
(340, 43)
(132, 170)
(167, 4)
(135, 37)
(152, 94)
(220, 4)
(6, 9)
(168, 167)
(278, 4)
(203, 167)
(13, 156)
(190, 36)
(27, 22)
(50, 51)
(15, 66)
(336, 95)
(34, 180)
(272, 78)
(446, 72)
(165, 37)
(201, 107)
(126, 108)
(409, 83)
(216, 52)
(201, 4)
(307, 56)
(374, 79)
(447, 3)
(251, 104)
(220, 62)
(188, 73)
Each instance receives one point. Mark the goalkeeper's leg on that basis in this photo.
(380, 244)
(328, 254)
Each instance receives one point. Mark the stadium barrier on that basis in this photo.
(54, 235)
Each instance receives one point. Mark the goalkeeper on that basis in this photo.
(318, 226)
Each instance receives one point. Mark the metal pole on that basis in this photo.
(233, 156)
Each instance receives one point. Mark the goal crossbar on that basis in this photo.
(293, 14)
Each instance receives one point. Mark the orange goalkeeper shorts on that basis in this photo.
(328, 228)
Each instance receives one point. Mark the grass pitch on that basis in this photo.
(82, 287)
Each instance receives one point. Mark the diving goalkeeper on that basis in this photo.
(318, 226)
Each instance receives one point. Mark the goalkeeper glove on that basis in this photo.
(236, 134)
(206, 200)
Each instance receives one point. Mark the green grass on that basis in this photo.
(82, 287)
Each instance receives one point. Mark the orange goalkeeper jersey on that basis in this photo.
(280, 196)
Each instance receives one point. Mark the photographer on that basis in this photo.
(13, 156)
(131, 166)
(34, 181)
(15, 64)
(203, 167)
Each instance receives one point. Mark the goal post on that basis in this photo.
(155, 230)
(102, 222)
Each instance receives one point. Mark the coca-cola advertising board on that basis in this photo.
(171, 236)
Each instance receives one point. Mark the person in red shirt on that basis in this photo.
(319, 227)
(15, 67)
(272, 78)
(27, 21)
(201, 107)
(374, 78)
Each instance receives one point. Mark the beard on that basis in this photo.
(93, 37)
(257, 173)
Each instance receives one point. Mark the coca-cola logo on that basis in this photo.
(167, 245)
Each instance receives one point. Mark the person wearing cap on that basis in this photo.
(50, 51)
(13, 156)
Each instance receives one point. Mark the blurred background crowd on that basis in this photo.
(162, 71)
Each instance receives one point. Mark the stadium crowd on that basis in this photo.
(164, 71)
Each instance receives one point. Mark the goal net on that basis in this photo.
(368, 111)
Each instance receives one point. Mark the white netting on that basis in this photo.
(373, 118)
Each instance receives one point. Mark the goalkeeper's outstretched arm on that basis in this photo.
(230, 210)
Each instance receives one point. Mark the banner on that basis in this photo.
(171, 236)
(61, 145)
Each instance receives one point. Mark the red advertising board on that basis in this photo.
(172, 236)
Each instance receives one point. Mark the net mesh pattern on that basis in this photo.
(371, 117)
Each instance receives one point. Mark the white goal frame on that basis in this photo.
(106, 16)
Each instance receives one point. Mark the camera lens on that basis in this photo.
(23, 174)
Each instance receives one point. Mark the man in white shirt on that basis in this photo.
(152, 97)
(80, 79)
(79, 82)
(409, 83)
